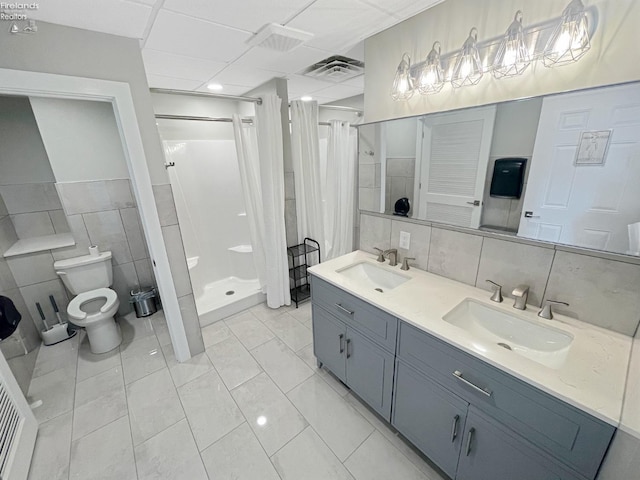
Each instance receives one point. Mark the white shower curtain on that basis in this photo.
(339, 189)
(306, 167)
(324, 181)
(260, 155)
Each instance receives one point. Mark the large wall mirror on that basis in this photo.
(562, 168)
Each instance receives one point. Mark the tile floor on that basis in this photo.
(253, 406)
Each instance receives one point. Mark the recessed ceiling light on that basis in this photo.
(214, 86)
(306, 98)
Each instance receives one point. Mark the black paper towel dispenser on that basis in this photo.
(508, 177)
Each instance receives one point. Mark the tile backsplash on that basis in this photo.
(599, 290)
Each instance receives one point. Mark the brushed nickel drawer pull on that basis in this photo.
(484, 391)
(454, 429)
(469, 440)
(348, 352)
(341, 337)
(348, 312)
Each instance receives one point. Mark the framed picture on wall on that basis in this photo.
(593, 146)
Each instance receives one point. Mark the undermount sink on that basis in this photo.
(378, 278)
(490, 327)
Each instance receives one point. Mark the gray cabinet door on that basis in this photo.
(370, 372)
(329, 341)
(491, 452)
(430, 416)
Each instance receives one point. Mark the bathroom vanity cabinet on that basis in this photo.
(476, 422)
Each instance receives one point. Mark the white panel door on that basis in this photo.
(585, 205)
(18, 427)
(455, 153)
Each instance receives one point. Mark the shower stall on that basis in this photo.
(206, 185)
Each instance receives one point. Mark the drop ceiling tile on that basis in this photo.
(299, 85)
(161, 81)
(337, 23)
(247, 15)
(182, 35)
(355, 82)
(146, 2)
(340, 91)
(228, 89)
(117, 17)
(402, 9)
(291, 62)
(249, 77)
(170, 65)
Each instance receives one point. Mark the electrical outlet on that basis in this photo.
(405, 240)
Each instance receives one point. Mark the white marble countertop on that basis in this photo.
(592, 378)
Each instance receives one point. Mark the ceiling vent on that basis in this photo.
(279, 38)
(335, 69)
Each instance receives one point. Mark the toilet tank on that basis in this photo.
(88, 272)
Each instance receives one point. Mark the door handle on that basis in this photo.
(340, 307)
(484, 391)
(475, 203)
(341, 337)
(530, 215)
(454, 428)
(348, 352)
(470, 440)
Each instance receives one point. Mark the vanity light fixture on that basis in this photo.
(468, 68)
(512, 57)
(402, 88)
(431, 78)
(570, 39)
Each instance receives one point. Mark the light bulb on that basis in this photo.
(468, 68)
(570, 39)
(431, 77)
(402, 88)
(512, 57)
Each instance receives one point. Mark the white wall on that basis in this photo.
(608, 61)
(401, 138)
(81, 138)
(23, 158)
(81, 53)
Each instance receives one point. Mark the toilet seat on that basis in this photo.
(74, 311)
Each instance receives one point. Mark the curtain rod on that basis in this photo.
(191, 93)
(357, 111)
(163, 116)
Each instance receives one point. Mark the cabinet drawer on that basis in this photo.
(372, 322)
(565, 432)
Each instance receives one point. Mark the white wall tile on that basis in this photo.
(106, 230)
(30, 197)
(32, 268)
(34, 224)
(511, 264)
(7, 234)
(191, 324)
(59, 221)
(419, 242)
(374, 232)
(144, 270)
(165, 205)
(81, 237)
(125, 279)
(88, 197)
(177, 260)
(40, 292)
(7, 282)
(454, 255)
(600, 291)
(291, 222)
(133, 230)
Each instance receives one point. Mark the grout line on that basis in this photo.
(361, 443)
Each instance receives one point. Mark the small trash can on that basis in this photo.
(144, 301)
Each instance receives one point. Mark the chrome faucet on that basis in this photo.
(405, 263)
(547, 312)
(380, 254)
(497, 291)
(520, 294)
(393, 261)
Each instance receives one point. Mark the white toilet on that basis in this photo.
(88, 277)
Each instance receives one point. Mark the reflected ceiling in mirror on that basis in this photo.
(562, 168)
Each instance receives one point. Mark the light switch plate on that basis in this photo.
(405, 240)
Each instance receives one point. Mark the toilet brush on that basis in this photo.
(56, 333)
